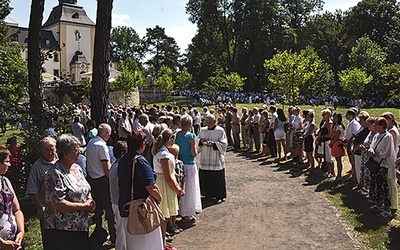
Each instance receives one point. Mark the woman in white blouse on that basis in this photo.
(164, 166)
(382, 151)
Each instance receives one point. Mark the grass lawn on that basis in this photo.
(371, 231)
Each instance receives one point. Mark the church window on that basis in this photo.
(56, 72)
(55, 57)
(75, 15)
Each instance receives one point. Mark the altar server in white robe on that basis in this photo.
(212, 149)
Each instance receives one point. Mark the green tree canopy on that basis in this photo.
(353, 81)
(163, 49)
(131, 77)
(126, 43)
(183, 80)
(13, 73)
(165, 81)
(367, 55)
(290, 72)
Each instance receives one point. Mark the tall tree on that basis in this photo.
(101, 60)
(324, 32)
(126, 43)
(291, 73)
(13, 68)
(379, 19)
(130, 79)
(35, 62)
(165, 81)
(293, 16)
(367, 55)
(353, 81)
(164, 50)
(214, 20)
(184, 80)
(256, 25)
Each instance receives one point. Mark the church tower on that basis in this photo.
(74, 32)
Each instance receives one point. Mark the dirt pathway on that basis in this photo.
(266, 209)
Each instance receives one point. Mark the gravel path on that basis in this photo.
(266, 209)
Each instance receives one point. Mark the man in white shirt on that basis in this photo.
(35, 188)
(98, 168)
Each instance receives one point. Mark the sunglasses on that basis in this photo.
(172, 137)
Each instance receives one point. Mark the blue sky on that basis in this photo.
(169, 14)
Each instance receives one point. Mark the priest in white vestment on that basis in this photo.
(212, 149)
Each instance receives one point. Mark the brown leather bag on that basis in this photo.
(144, 214)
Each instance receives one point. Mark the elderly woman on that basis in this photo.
(11, 216)
(191, 202)
(164, 166)
(68, 200)
(365, 176)
(382, 151)
(392, 129)
(144, 185)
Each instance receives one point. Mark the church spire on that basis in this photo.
(67, 1)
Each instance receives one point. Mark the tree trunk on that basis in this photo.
(35, 63)
(101, 60)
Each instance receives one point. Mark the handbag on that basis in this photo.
(144, 214)
(373, 165)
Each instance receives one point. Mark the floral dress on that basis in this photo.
(63, 185)
(8, 224)
(365, 175)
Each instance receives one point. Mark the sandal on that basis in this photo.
(385, 215)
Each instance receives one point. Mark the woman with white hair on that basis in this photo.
(68, 200)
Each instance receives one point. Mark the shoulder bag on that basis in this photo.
(373, 165)
(144, 214)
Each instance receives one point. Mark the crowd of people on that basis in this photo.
(86, 175)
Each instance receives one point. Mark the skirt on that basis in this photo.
(309, 144)
(190, 203)
(150, 241)
(297, 143)
(324, 150)
(338, 150)
(169, 204)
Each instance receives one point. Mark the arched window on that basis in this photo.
(75, 15)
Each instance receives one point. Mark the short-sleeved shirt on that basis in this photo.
(352, 128)
(36, 178)
(113, 181)
(70, 186)
(96, 152)
(144, 176)
(163, 153)
(185, 149)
